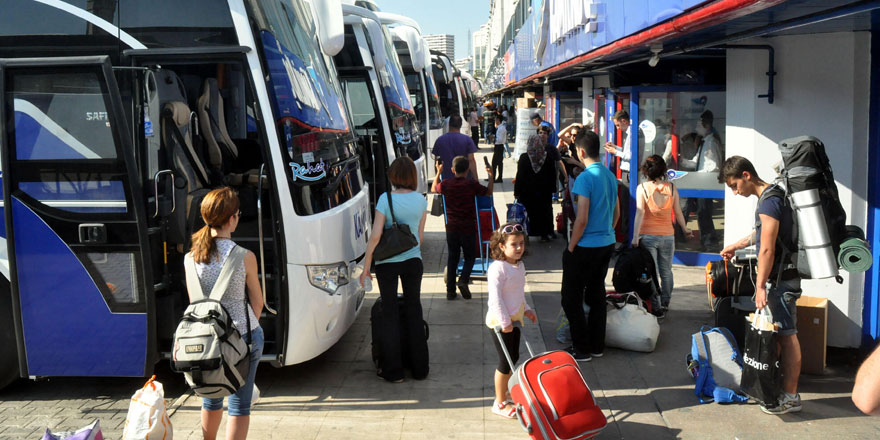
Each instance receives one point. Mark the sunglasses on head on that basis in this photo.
(509, 229)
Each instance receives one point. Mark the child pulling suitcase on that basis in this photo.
(551, 397)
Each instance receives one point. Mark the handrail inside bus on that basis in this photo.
(260, 237)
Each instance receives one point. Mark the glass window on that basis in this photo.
(313, 125)
(434, 115)
(61, 116)
(687, 130)
(118, 275)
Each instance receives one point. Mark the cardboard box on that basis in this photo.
(525, 103)
(812, 325)
(529, 95)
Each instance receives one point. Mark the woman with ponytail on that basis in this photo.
(211, 245)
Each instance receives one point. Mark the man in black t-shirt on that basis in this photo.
(772, 236)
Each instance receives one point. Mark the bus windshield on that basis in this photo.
(312, 122)
(406, 133)
(435, 119)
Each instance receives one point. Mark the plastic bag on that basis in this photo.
(563, 327)
(761, 377)
(91, 432)
(147, 417)
(631, 326)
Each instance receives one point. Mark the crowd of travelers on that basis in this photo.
(573, 157)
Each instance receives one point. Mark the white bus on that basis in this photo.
(116, 117)
(378, 99)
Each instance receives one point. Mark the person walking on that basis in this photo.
(656, 203)
(473, 120)
(534, 186)
(410, 208)
(498, 151)
(454, 144)
(461, 222)
(777, 283)
(507, 303)
(211, 246)
(585, 260)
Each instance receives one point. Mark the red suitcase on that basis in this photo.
(553, 401)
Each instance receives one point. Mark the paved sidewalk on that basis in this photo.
(643, 395)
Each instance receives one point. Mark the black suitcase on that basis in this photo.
(408, 362)
(731, 312)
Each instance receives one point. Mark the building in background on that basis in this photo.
(480, 52)
(465, 64)
(767, 70)
(443, 43)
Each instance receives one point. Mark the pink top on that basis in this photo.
(507, 298)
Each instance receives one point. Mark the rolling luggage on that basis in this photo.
(552, 399)
(419, 367)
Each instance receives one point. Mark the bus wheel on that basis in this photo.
(8, 351)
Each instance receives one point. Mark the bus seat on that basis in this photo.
(212, 121)
(191, 176)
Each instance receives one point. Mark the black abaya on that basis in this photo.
(535, 191)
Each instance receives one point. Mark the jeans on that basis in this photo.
(583, 281)
(661, 247)
(782, 300)
(458, 243)
(240, 402)
(498, 161)
(410, 274)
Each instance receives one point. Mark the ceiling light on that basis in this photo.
(655, 58)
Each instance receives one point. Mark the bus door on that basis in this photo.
(74, 221)
(369, 127)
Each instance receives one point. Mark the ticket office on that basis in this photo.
(685, 125)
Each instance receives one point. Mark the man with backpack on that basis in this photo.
(585, 261)
(778, 284)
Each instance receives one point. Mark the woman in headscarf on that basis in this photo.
(534, 186)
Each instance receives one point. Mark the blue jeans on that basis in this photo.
(782, 300)
(661, 247)
(240, 402)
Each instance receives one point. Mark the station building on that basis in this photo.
(767, 70)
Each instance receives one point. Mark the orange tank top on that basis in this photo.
(658, 218)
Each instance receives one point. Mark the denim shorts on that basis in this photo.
(782, 300)
(240, 402)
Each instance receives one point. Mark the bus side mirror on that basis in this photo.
(331, 29)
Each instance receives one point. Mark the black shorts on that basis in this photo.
(511, 341)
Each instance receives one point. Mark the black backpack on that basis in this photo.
(635, 272)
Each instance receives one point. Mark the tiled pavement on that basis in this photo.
(338, 395)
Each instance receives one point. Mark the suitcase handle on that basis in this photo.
(521, 418)
(498, 329)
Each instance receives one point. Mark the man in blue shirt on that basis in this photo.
(538, 121)
(585, 261)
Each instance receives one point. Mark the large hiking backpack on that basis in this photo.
(820, 221)
(208, 349)
(635, 271)
(716, 364)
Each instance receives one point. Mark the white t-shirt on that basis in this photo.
(473, 119)
(501, 134)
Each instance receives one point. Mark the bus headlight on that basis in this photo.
(328, 277)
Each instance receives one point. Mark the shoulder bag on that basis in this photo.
(395, 240)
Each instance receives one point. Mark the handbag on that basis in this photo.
(395, 240)
(631, 326)
(761, 375)
(437, 205)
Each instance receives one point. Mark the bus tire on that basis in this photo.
(8, 348)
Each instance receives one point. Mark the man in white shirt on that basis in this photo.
(622, 123)
(500, 145)
(707, 160)
(474, 121)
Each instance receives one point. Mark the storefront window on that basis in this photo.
(687, 130)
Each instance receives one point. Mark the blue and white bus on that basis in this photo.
(117, 116)
(415, 59)
(378, 98)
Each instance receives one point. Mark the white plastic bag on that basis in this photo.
(147, 417)
(631, 327)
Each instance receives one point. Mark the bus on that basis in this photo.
(116, 118)
(376, 94)
(449, 86)
(412, 50)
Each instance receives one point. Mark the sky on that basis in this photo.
(443, 17)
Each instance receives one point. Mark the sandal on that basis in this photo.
(503, 410)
